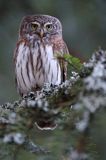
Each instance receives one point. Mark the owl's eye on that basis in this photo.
(34, 26)
(49, 27)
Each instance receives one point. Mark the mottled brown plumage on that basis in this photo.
(40, 39)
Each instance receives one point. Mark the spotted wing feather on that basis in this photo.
(61, 48)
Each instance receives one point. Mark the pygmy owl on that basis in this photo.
(40, 39)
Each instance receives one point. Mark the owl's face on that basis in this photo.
(40, 26)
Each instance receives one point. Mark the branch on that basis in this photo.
(71, 106)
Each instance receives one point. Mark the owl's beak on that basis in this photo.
(41, 33)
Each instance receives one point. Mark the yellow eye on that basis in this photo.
(49, 27)
(34, 26)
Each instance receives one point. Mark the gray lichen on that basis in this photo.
(85, 94)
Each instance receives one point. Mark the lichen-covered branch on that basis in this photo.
(70, 107)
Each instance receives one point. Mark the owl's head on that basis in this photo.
(40, 26)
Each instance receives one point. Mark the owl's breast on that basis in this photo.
(50, 65)
(35, 66)
(46, 66)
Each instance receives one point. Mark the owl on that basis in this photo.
(40, 40)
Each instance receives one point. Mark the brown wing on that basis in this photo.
(60, 48)
(64, 64)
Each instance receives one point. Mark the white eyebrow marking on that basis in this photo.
(47, 24)
(36, 23)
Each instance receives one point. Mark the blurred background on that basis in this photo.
(84, 30)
